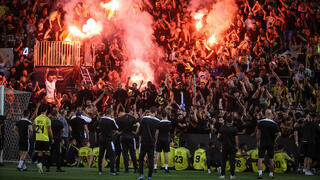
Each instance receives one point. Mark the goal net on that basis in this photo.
(12, 105)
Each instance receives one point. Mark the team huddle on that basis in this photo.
(117, 145)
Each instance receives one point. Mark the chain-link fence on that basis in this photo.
(15, 102)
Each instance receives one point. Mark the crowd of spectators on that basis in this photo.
(269, 58)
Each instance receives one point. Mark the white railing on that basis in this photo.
(57, 53)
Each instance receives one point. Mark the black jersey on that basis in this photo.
(164, 129)
(56, 126)
(148, 127)
(269, 129)
(228, 134)
(106, 127)
(127, 124)
(23, 128)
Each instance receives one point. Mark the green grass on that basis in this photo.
(9, 172)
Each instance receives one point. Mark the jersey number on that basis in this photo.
(197, 159)
(179, 159)
(277, 164)
(39, 128)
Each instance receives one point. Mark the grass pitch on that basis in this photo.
(9, 172)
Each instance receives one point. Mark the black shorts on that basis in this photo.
(270, 151)
(24, 145)
(42, 146)
(309, 149)
(163, 145)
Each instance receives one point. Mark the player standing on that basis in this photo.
(230, 142)
(148, 127)
(43, 130)
(23, 129)
(128, 127)
(268, 133)
(163, 141)
(105, 129)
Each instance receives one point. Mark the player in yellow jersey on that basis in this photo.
(254, 160)
(241, 159)
(86, 155)
(42, 126)
(280, 160)
(95, 153)
(181, 158)
(199, 158)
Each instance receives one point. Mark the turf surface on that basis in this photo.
(9, 172)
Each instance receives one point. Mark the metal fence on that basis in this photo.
(57, 53)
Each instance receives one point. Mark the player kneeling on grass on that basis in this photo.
(23, 129)
(86, 156)
(213, 154)
(281, 159)
(199, 158)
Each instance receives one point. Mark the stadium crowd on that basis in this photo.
(268, 59)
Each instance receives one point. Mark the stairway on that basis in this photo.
(86, 78)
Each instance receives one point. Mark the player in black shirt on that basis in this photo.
(77, 127)
(148, 127)
(230, 143)
(268, 133)
(128, 127)
(213, 155)
(23, 129)
(57, 130)
(163, 141)
(310, 132)
(106, 127)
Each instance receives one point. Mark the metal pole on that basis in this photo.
(1, 100)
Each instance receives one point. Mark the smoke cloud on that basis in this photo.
(136, 33)
(220, 15)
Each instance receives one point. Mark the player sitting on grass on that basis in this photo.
(199, 159)
(182, 156)
(85, 154)
(281, 159)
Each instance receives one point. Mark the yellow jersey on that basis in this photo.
(280, 162)
(84, 154)
(254, 155)
(41, 124)
(240, 163)
(95, 153)
(171, 157)
(182, 155)
(199, 159)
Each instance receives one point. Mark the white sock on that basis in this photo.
(165, 166)
(271, 174)
(155, 166)
(260, 172)
(209, 171)
(20, 164)
(24, 166)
